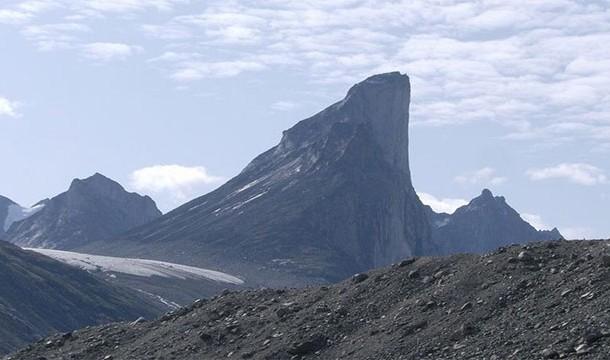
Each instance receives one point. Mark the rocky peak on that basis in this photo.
(98, 184)
(382, 101)
(94, 208)
(380, 104)
(96, 179)
(552, 234)
(486, 194)
(487, 202)
(487, 222)
(334, 197)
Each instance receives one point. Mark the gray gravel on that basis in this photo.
(541, 301)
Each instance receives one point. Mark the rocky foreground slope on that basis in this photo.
(545, 300)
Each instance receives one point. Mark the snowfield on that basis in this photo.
(137, 267)
(18, 213)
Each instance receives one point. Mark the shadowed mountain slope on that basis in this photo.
(95, 208)
(39, 296)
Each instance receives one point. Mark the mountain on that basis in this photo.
(39, 296)
(334, 197)
(11, 212)
(5, 208)
(98, 208)
(540, 301)
(486, 223)
(95, 208)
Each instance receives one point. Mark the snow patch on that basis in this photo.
(238, 205)
(137, 267)
(441, 223)
(170, 304)
(18, 213)
(246, 187)
(197, 206)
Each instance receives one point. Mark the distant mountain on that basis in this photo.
(95, 208)
(11, 212)
(39, 296)
(486, 223)
(5, 205)
(98, 208)
(333, 198)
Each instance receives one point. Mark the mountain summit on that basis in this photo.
(486, 223)
(334, 197)
(94, 208)
(380, 104)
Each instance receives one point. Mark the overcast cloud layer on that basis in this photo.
(528, 78)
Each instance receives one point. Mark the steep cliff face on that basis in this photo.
(485, 224)
(95, 208)
(333, 198)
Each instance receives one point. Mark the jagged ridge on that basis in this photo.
(486, 223)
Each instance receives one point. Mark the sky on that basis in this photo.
(173, 97)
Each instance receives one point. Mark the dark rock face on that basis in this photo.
(95, 208)
(332, 199)
(486, 223)
(5, 203)
(39, 296)
(550, 304)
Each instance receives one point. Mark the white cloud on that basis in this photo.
(25, 11)
(13, 17)
(535, 220)
(105, 51)
(122, 6)
(8, 107)
(54, 36)
(526, 65)
(577, 173)
(444, 205)
(166, 32)
(284, 106)
(195, 70)
(486, 175)
(177, 180)
(37, 6)
(579, 232)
